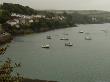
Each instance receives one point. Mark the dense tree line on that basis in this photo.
(16, 8)
(4, 16)
(78, 18)
(48, 24)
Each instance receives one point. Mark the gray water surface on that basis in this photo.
(85, 61)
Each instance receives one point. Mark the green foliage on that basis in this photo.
(48, 24)
(16, 8)
(14, 30)
(4, 16)
(0, 12)
(77, 18)
(6, 70)
(49, 14)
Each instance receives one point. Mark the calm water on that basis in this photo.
(86, 61)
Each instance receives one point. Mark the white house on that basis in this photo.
(31, 21)
(13, 22)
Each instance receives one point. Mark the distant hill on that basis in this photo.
(80, 11)
(76, 16)
(94, 13)
(17, 8)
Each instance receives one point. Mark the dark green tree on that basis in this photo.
(5, 15)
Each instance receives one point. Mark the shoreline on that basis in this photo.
(36, 80)
(9, 37)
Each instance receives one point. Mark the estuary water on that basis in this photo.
(85, 61)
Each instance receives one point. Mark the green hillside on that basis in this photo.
(99, 13)
(17, 8)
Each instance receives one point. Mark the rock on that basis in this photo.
(5, 38)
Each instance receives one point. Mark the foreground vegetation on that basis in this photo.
(6, 73)
(6, 70)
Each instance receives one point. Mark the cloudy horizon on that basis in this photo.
(64, 4)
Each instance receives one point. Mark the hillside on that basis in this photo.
(105, 15)
(81, 11)
(96, 13)
(86, 12)
(17, 8)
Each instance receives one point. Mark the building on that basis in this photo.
(13, 22)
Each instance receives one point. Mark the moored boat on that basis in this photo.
(49, 37)
(64, 39)
(81, 31)
(46, 46)
(88, 38)
(68, 44)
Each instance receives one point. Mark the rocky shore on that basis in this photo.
(5, 37)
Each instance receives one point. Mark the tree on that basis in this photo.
(5, 15)
(6, 70)
(19, 9)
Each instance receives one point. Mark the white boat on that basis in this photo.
(49, 37)
(81, 31)
(68, 44)
(46, 46)
(88, 38)
(64, 39)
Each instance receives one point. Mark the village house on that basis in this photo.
(17, 26)
(39, 16)
(13, 22)
(94, 19)
(19, 19)
(25, 21)
(31, 21)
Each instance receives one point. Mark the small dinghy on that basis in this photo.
(46, 46)
(49, 37)
(81, 31)
(68, 44)
(88, 38)
(64, 39)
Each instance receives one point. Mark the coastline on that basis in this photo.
(36, 80)
(6, 37)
